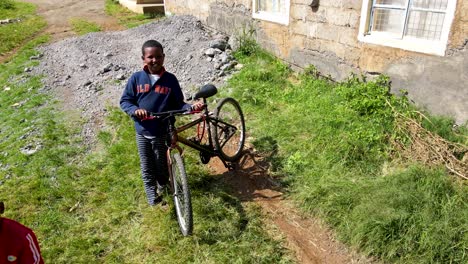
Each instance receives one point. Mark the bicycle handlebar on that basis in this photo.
(169, 113)
(166, 114)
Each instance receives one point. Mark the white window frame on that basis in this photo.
(272, 17)
(436, 47)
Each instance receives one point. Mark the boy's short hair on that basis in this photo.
(151, 44)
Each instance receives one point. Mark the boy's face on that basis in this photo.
(153, 58)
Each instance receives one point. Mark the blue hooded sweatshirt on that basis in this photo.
(164, 95)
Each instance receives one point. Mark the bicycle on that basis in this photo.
(225, 132)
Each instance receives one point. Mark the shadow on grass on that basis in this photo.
(251, 178)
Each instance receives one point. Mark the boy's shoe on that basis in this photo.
(159, 201)
(164, 206)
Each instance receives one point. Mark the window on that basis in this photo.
(416, 25)
(272, 10)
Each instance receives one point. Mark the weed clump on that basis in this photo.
(246, 42)
(7, 4)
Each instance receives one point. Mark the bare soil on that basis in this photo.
(308, 238)
(57, 13)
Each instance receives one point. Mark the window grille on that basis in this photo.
(422, 19)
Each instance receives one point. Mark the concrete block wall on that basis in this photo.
(327, 37)
(230, 18)
(459, 32)
(200, 9)
(330, 33)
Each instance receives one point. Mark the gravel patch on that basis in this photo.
(89, 73)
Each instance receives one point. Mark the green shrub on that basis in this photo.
(371, 99)
(247, 43)
(7, 4)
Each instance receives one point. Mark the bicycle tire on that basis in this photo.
(181, 195)
(229, 142)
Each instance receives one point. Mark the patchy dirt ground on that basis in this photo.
(88, 73)
(57, 13)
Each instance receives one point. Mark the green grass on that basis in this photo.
(91, 207)
(330, 143)
(14, 34)
(128, 18)
(82, 27)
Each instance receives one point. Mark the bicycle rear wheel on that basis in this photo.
(229, 129)
(182, 200)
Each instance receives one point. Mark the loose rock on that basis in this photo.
(239, 66)
(30, 149)
(210, 52)
(107, 68)
(220, 44)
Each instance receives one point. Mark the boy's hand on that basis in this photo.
(198, 106)
(141, 113)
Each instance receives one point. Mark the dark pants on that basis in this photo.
(153, 163)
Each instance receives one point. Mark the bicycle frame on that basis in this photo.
(205, 117)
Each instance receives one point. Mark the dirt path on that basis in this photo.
(310, 240)
(57, 13)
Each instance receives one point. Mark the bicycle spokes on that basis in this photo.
(225, 133)
(181, 195)
(229, 134)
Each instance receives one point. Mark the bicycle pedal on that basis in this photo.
(231, 167)
(205, 158)
(194, 139)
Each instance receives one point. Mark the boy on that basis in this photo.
(153, 90)
(18, 244)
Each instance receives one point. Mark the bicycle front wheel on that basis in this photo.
(229, 129)
(182, 200)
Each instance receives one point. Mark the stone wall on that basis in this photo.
(327, 38)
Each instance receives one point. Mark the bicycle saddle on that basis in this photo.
(205, 91)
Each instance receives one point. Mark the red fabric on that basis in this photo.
(18, 244)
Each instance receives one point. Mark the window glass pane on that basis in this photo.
(392, 2)
(388, 20)
(432, 4)
(426, 25)
(272, 6)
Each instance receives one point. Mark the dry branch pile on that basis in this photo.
(431, 149)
